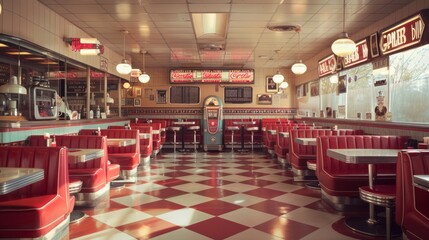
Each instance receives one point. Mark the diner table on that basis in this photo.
(421, 181)
(306, 141)
(182, 130)
(120, 142)
(242, 123)
(369, 225)
(284, 134)
(144, 135)
(82, 155)
(12, 179)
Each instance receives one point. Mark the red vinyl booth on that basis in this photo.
(156, 135)
(340, 181)
(146, 144)
(42, 208)
(95, 174)
(412, 209)
(127, 157)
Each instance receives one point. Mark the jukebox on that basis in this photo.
(213, 123)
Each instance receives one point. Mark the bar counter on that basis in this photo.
(11, 131)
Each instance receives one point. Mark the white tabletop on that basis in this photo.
(272, 132)
(244, 123)
(120, 142)
(306, 141)
(83, 155)
(284, 134)
(144, 135)
(156, 131)
(358, 155)
(421, 181)
(183, 123)
(12, 179)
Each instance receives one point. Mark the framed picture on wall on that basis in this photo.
(266, 99)
(161, 96)
(137, 102)
(137, 92)
(373, 42)
(271, 85)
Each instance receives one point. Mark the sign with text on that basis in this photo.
(212, 76)
(360, 55)
(72, 75)
(327, 65)
(403, 35)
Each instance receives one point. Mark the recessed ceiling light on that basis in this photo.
(18, 53)
(3, 45)
(35, 58)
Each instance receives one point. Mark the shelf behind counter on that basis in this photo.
(12, 132)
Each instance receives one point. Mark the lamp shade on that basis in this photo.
(126, 85)
(124, 67)
(278, 78)
(343, 46)
(284, 85)
(13, 87)
(299, 68)
(144, 78)
(333, 79)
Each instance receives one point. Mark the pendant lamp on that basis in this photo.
(343, 46)
(299, 67)
(144, 77)
(278, 77)
(124, 67)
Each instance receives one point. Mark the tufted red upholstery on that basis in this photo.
(156, 137)
(35, 210)
(94, 174)
(127, 157)
(342, 179)
(163, 129)
(300, 154)
(146, 145)
(270, 140)
(412, 209)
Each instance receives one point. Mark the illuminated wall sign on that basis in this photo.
(70, 75)
(212, 76)
(327, 65)
(403, 35)
(360, 55)
(85, 46)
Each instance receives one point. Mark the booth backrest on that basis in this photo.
(118, 133)
(412, 209)
(54, 162)
(116, 127)
(330, 165)
(299, 149)
(76, 141)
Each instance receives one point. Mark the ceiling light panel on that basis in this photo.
(207, 8)
(210, 25)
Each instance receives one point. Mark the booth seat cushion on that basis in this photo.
(93, 179)
(34, 210)
(113, 171)
(343, 179)
(127, 161)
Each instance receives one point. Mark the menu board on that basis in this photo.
(76, 86)
(238, 95)
(185, 94)
(243, 76)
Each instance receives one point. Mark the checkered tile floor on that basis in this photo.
(198, 196)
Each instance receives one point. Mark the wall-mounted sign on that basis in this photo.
(238, 94)
(403, 35)
(212, 76)
(327, 65)
(69, 75)
(360, 55)
(86, 46)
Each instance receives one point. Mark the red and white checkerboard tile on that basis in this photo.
(213, 196)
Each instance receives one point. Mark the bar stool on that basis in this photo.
(195, 129)
(385, 196)
(75, 185)
(232, 129)
(175, 130)
(252, 131)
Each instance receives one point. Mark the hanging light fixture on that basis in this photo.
(299, 67)
(144, 77)
(343, 46)
(124, 67)
(278, 77)
(283, 85)
(126, 85)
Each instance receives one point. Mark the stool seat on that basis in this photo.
(192, 128)
(174, 128)
(312, 165)
(75, 185)
(382, 195)
(233, 128)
